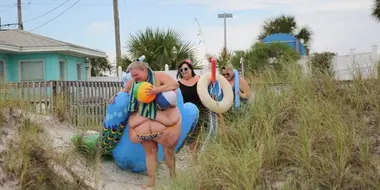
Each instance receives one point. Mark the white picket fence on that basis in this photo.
(345, 66)
(172, 73)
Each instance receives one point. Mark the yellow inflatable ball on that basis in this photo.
(141, 94)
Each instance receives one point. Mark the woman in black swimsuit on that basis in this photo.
(188, 86)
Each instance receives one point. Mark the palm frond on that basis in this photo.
(99, 65)
(157, 45)
(305, 34)
(376, 10)
(284, 24)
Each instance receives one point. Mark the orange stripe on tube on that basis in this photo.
(213, 70)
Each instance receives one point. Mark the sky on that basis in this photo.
(337, 25)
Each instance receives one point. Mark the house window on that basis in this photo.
(31, 71)
(79, 71)
(2, 71)
(62, 69)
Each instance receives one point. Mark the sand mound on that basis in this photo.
(7, 131)
(58, 135)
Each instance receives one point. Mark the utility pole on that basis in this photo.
(19, 15)
(117, 33)
(225, 16)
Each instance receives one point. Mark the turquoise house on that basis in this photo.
(25, 56)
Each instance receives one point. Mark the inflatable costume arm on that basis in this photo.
(246, 91)
(167, 82)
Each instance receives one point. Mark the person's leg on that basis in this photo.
(169, 153)
(151, 150)
(169, 140)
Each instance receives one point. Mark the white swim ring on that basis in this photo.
(215, 106)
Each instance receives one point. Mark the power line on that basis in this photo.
(5, 8)
(9, 5)
(93, 4)
(81, 4)
(8, 25)
(47, 12)
(55, 16)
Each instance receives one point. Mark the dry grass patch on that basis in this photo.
(315, 134)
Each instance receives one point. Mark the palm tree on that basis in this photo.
(376, 10)
(286, 24)
(125, 61)
(99, 65)
(222, 58)
(160, 47)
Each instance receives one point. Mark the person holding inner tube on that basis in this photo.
(148, 124)
(245, 91)
(188, 81)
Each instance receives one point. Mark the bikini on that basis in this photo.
(148, 110)
(152, 136)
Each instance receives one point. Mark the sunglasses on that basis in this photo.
(183, 69)
(226, 74)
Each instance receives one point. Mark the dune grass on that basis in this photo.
(31, 160)
(316, 133)
(29, 157)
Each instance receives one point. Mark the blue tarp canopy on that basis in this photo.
(285, 38)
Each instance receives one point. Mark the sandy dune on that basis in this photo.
(109, 175)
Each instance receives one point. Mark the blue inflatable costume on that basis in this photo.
(115, 138)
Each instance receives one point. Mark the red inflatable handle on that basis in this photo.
(213, 70)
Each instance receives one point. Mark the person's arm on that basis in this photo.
(127, 86)
(167, 82)
(244, 87)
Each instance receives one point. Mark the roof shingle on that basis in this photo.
(20, 38)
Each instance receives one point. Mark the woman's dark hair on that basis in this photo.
(179, 74)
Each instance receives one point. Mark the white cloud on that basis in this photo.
(242, 4)
(332, 5)
(238, 37)
(300, 5)
(100, 28)
(338, 26)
